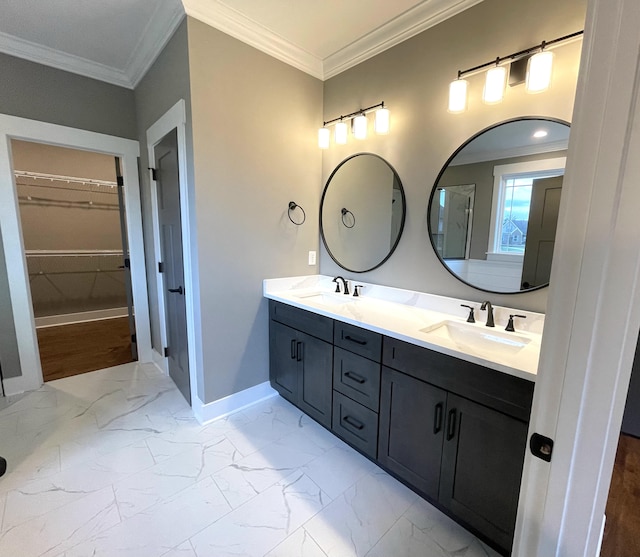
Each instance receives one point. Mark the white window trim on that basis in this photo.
(505, 171)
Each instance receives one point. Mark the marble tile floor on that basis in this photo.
(113, 464)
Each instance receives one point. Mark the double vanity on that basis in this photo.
(440, 403)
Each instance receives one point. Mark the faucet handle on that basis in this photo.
(471, 318)
(509, 326)
(356, 291)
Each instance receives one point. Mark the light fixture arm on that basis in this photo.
(352, 114)
(520, 54)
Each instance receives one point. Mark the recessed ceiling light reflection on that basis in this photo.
(540, 133)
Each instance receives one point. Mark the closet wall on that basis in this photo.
(71, 231)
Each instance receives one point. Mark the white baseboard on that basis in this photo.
(160, 361)
(80, 317)
(18, 385)
(211, 411)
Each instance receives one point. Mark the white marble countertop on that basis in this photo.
(403, 314)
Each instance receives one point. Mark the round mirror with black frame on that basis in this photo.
(362, 212)
(493, 210)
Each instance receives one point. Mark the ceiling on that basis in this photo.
(118, 40)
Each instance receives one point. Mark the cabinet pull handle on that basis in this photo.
(356, 340)
(437, 418)
(353, 422)
(354, 377)
(293, 349)
(299, 351)
(451, 424)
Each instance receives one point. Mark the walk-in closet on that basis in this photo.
(74, 237)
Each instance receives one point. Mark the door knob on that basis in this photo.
(178, 290)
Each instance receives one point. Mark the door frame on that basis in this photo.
(13, 127)
(175, 118)
(593, 308)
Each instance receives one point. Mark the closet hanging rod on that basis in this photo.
(62, 178)
(73, 253)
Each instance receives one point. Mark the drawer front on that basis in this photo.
(358, 340)
(308, 322)
(500, 391)
(357, 377)
(355, 424)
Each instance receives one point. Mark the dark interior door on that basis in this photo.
(168, 184)
(541, 232)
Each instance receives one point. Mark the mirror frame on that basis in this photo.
(442, 171)
(404, 212)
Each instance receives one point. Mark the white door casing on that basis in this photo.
(593, 313)
(12, 127)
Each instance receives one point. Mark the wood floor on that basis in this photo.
(622, 529)
(68, 350)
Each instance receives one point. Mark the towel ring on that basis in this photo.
(346, 212)
(292, 207)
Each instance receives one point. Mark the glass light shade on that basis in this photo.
(341, 133)
(323, 138)
(494, 85)
(360, 127)
(458, 95)
(381, 124)
(539, 72)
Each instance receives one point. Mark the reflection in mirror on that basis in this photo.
(494, 208)
(362, 212)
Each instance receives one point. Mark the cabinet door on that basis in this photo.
(315, 377)
(283, 364)
(482, 463)
(411, 429)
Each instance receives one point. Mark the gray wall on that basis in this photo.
(412, 78)
(255, 122)
(9, 358)
(166, 82)
(38, 92)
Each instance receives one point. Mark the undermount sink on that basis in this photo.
(325, 298)
(478, 339)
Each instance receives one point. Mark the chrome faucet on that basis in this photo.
(487, 306)
(345, 285)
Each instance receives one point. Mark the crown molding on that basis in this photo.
(165, 20)
(410, 23)
(233, 23)
(39, 54)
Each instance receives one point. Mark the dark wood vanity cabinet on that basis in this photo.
(301, 359)
(452, 430)
(356, 384)
(465, 455)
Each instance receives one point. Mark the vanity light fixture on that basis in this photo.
(458, 95)
(539, 67)
(381, 124)
(341, 132)
(359, 125)
(495, 82)
(539, 71)
(324, 136)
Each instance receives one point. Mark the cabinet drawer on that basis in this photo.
(501, 391)
(358, 340)
(357, 377)
(313, 324)
(355, 424)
